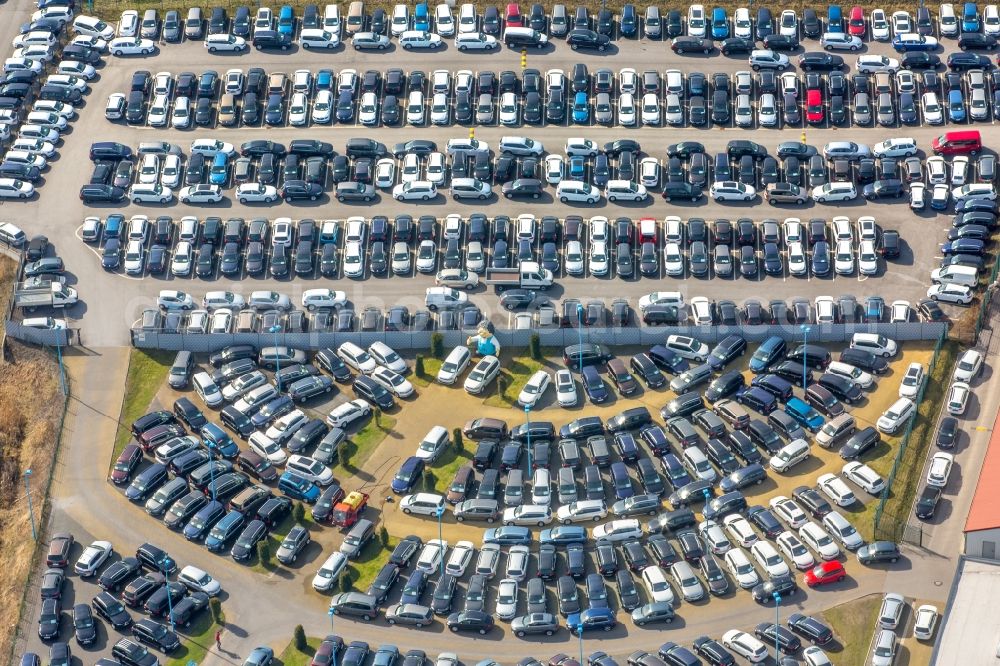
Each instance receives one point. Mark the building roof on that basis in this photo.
(984, 514)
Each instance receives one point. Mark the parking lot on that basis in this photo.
(919, 247)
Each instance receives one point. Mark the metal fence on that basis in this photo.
(59, 337)
(553, 337)
(889, 526)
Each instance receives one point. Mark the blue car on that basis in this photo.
(260, 656)
(286, 20)
(218, 441)
(508, 535)
(590, 620)
(577, 167)
(204, 520)
(226, 529)
(913, 42)
(324, 79)
(113, 225)
(220, 169)
(970, 17)
(414, 588)
(834, 19)
(298, 487)
(720, 23)
(804, 414)
(421, 21)
(563, 535)
(956, 106)
(581, 108)
(769, 353)
(409, 473)
(594, 385)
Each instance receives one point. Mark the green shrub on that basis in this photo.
(418, 366)
(535, 347)
(299, 636)
(437, 345)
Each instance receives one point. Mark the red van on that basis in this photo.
(513, 18)
(856, 22)
(814, 107)
(958, 143)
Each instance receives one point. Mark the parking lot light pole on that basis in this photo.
(579, 632)
(211, 470)
(579, 330)
(527, 420)
(440, 514)
(277, 361)
(31, 510)
(170, 604)
(329, 612)
(805, 340)
(777, 602)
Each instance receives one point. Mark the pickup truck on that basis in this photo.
(529, 275)
(44, 295)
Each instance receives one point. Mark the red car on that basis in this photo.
(513, 19)
(856, 22)
(825, 573)
(814, 107)
(126, 464)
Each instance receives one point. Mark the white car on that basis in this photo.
(387, 357)
(624, 190)
(918, 196)
(924, 622)
(902, 23)
(482, 374)
(789, 511)
(183, 259)
(225, 43)
(155, 193)
(170, 175)
(180, 118)
(843, 531)
(92, 557)
(128, 23)
(741, 568)
(879, 25)
(626, 110)
(347, 413)
(649, 172)
(454, 365)
(12, 188)
(440, 110)
(534, 389)
(393, 382)
(898, 147)
(900, 312)
(26, 158)
(702, 309)
(835, 488)
(687, 347)
(555, 169)
(797, 264)
(93, 27)
(420, 39)
(933, 113)
(385, 173)
(969, 365)
(831, 192)
(740, 530)
(599, 260)
(469, 188)
(434, 169)
(742, 27)
(266, 447)
(864, 477)
(795, 550)
(256, 193)
(745, 645)
(322, 297)
(124, 46)
(78, 69)
(839, 41)
(286, 426)
(618, 530)
(200, 194)
(212, 147)
(582, 510)
(528, 514)
(426, 256)
(867, 258)
(714, 537)
(650, 109)
(298, 110)
(322, 108)
(420, 190)
(959, 169)
(135, 257)
(730, 190)
(951, 293)
(566, 393)
(940, 469)
(460, 558)
(816, 538)
(508, 109)
(769, 559)
(429, 560)
(843, 258)
(506, 606)
(149, 170)
(898, 413)
(198, 580)
(656, 585)
(476, 41)
(329, 572)
(876, 63)
(422, 504)
(35, 146)
(912, 380)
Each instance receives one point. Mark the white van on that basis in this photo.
(444, 20)
(400, 20)
(356, 357)
(454, 365)
(874, 343)
(577, 191)
(964, 275)
(44, 323)
(331, 19)
(467, 21)
(696, 20)
(790, 455)
(689, 585)
(947, 21)
(207, 389)
(541, 487)
(444, 298)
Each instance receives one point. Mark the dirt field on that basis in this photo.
(29, 431)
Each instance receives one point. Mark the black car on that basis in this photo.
(967, 61)
(156, 635)
(780, 587)
(582, 38)
(810, 628)
(691, 45)
(713, 652)
(927, 502)
(820, 61)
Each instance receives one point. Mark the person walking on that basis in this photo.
(218, 639)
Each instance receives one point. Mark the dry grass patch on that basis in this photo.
(29, 432)
(853, 624)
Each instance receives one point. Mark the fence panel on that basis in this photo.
(59, 337)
